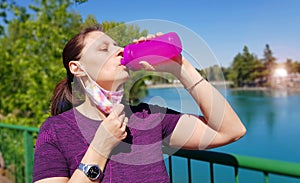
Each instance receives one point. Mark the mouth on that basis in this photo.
(120, 53)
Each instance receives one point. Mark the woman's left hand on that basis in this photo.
(172, 65)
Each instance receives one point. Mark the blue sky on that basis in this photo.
(225, 26)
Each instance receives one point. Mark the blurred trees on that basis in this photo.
(248, 70)
(31, 46)
(31, 59)
(244, 69)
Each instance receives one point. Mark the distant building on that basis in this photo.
(289, 81)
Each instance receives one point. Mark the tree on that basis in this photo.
(269, 61)
(243, 70)
(292, 66)
(214, 73)
(31, 63)
(31, 60)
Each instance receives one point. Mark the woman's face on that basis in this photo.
(101, 59)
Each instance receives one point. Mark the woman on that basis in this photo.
(102, 140)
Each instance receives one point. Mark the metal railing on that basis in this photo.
(22, 139)
(263, 165)
(17, 143)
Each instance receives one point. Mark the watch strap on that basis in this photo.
(81, 166)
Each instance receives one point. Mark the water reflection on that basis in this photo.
(270, 116)
(261, 105)
(275, 93)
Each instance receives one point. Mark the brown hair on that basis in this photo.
(62, 95)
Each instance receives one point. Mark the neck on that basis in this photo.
(90, 110)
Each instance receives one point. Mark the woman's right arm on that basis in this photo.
(109, 134)
(90, 157)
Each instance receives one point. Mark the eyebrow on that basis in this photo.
(106, 43)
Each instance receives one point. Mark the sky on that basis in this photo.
(224, 26)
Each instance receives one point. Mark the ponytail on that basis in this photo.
(62, 97)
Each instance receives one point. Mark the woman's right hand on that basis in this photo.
(111, 131)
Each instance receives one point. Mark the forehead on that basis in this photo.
(96, 38)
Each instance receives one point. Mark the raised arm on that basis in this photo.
(219, 124)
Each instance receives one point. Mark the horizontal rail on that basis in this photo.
(259, 164)
(19, 127)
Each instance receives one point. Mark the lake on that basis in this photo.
(271, 119)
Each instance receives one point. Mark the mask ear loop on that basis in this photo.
(83, 69)
(115, 97)
(104, 105)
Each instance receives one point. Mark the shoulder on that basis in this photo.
(53, 125)
(63, 119)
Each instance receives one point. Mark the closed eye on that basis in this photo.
(103, 49)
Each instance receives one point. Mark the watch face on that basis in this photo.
(93, 172)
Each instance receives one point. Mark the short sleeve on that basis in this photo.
(48, 158)
(169, 118)
(169, 122)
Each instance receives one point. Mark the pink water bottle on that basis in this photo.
(154, 51)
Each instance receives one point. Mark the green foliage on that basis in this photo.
(135, 88)
(12, 148)
(214, 73)
(245, 69)
(122, 33)
(292, 66)
(31, 63)
(268, 61)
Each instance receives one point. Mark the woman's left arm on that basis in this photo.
(219, 124)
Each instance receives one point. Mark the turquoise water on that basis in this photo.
(273, 130)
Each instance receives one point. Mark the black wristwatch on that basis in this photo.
(92, 171)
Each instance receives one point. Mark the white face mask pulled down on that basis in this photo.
(103, 99)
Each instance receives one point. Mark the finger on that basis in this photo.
(146, 66)
(150, 36)
(142, 39)
(135, 41)
(124, 135)
(124, 124)
(126, 120)
(159, 33)
(116, 111)
(121, 119)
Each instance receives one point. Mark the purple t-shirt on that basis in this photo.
(64, 139)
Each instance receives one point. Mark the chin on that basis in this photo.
(123, 77)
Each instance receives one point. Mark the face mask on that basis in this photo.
(103, 99)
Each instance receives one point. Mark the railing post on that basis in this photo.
(236, 174)
(28, 155)
(266, 177)
(189, 170)
(170, 169)
(211, 167)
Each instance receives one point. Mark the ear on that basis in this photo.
(76, 69)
